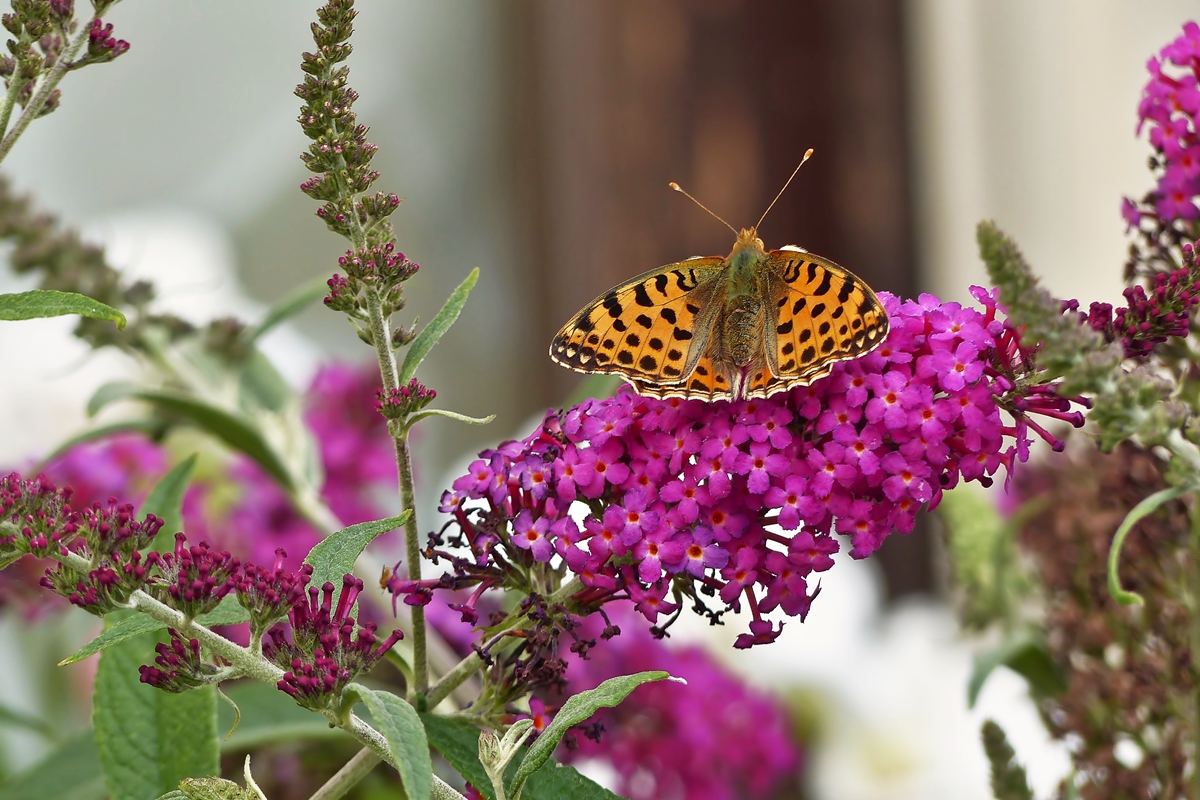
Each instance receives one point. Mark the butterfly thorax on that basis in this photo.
(741, 321)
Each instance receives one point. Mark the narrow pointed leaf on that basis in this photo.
(149, 427)
(50, 303)
(577, 709)
(335, 555)
(400, 725)
(303, 297)
(227, 613)
(1025, 654)
(149, 740)
(232, 429)
(437, 412)
(1136, 515)
(436, 328)
(166, 501)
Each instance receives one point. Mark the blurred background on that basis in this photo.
(535, 140)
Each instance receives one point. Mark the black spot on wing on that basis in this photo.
(847, 288)
(785, 328)
(660, 283)
(648, 363)
(644, 321)
(642, 296)
(823, 289)
(680, 335)
(668, 315)
(613, 305)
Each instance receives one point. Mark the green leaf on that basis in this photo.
(1025, 654)
(150, 427)
(335, 555)
(260, 386)
(71, 772)
(1136, 514)
(232, 429)
(291, 305)
(166, 501)
(437, 327)
(268, 717)
(437, 412)
(10, 717)
(149, 740)
(8, 559)
(211, 789)
(458, 742)
(227, 613)
(597, 385)
(577, 709)
(50, 303)
(1008, 776)
(400, 725)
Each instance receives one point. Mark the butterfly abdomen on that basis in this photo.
(741, 330)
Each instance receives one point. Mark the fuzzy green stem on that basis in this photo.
(378, 746)
(10, 101)
(38, 101)
(348, 776)
(412, 552)
(381, 336)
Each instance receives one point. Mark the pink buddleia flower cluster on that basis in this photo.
(1153, 316)
(713, 739)
(654, 500)
(1169, 106)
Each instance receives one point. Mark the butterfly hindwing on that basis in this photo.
(820, 314)
(652, 329)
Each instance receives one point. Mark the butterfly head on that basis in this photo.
(747, 240)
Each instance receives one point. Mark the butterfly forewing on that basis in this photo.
(652, 329)
(820, 314)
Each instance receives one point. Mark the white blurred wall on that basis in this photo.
(1024, 112)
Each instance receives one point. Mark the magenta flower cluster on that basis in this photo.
(1152, 316)
(713, 739)
(327, 648)
(1169, 106)
(639, 496)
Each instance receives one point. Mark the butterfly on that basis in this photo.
(750, 324)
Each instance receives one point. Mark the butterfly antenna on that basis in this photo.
(679, 189)
(807, 155)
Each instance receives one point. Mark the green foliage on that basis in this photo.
(983, 556)
(209, 789)
(148, 741)
(165, 501)
(434, 331)
(1025, 653)
(577, 709)
(335, 555)
(458, 741)
(70, 772)
(1071, 351)
(290, 306)
(400, 725)
(1008, 777)
(234, 430)
(40, 303)
(227, 613)
(268, 716)
(1136, 514)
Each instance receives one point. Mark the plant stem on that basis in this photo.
(378, 746)
(10, 100)
(381, 335)
(35, 105)
(1194, 608)
(412, 552)
(348, 776)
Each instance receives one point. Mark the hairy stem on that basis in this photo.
(348, 776)
(38, 101)
(378, 746)
(381, 335)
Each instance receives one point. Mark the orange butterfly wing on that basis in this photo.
(652, 330)
(820, 314)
